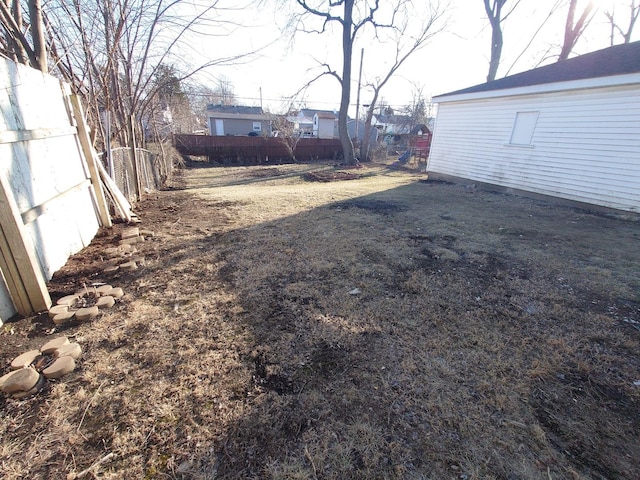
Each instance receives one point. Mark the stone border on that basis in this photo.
(85, 304)
(31, 370)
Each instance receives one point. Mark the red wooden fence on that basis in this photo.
(246, 150)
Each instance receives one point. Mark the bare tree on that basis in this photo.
(341, 12)
(111, 51)
(286, 133)
(223, 93)
(16, 42)
(351, 16)
(170, 111)
(406, 44)
(421, 109)
(574, 29)
(496, 15)
(37, 32)
(552, 11)
(123, 48)
(616, 24)
(200, 96)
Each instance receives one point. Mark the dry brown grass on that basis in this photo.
(490, 336)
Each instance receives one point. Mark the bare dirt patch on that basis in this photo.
(384, 327)
(330, 176)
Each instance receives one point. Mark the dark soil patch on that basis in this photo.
(266, 172)
(566, 407)
(324, 176)
(375, 206)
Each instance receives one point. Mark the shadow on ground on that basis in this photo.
(429, 331)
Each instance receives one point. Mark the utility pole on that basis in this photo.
(358, 99)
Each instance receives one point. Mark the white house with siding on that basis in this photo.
(324, 125)
(569, 130)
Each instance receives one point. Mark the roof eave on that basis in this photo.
(599, 82)
(239, 116)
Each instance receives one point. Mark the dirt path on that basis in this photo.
(384, 327)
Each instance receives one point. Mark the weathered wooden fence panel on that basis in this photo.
(233, 149)
(49, 206)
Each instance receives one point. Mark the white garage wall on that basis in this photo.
(585, 145)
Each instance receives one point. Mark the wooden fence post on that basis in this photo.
(19, 262)
(89, 154)
(11, 272)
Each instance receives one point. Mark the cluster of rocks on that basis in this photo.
(30, 370)
(84, 304)
(56, 358)
(124, 256)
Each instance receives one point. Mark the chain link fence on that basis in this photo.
(153, 170)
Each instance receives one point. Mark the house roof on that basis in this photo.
(392, 119)
(616, 60)
(235, 109)
(421, 127)
(235, 112)
(329, 115)
(309, 113)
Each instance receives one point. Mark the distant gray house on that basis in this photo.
(351, 128)
(569, 130)
(238, 120)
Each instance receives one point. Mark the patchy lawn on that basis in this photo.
(382, 327)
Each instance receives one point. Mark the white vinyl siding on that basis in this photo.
(587, 144)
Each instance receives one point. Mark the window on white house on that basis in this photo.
(523, 127)
(257, 126)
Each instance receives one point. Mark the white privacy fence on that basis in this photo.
(51, 198)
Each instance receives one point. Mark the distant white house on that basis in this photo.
(324, 125)
(306, 123)
(568, 130)
(392, 124)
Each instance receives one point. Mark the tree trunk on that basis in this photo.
(37, 28)
(494, 13)
(18, 48)
(496, 52)
(634, 13)
(367, 126)
(134, 158)
(18, 44)
(573, 32)
(347, 51)
(568, 43)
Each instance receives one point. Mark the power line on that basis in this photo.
(314, 102)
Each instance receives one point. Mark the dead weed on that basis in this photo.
(382, 328)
